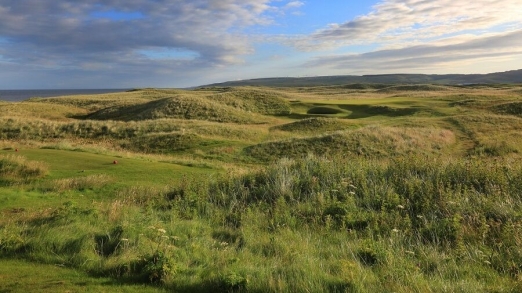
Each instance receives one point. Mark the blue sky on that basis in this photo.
(177, 43)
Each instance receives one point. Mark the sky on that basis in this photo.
(68, 44)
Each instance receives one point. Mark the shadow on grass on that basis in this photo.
(365, 111)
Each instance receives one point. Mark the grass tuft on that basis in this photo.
(15, 168)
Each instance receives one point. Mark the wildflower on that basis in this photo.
(351, 193)
(395, 230)
(400, 207)
(162, 231)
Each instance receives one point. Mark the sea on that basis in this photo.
(20, 95)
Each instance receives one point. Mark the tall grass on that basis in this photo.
(77, 183)
(313, 224)
(368, 141)
(17, 168)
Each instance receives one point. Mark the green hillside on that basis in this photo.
(508, 77)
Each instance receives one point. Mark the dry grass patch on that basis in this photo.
(264, 101)
(101, 101)
(18, 168)
(180, 107)
(368, 141)
(78, 183)
(23, 110)
(315, 125)
(491, 134)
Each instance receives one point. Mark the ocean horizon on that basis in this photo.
(21, 95)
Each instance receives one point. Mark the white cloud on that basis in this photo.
(396, 21)
(294, 4)
(428, 57)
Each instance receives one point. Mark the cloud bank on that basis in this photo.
(426, 57)
(396, 21)
(154, 37)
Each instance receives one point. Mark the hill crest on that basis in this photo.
(509, 77)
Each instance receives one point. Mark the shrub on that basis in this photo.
(233, 282)
(155, 267)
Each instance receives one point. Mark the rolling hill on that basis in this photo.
(510, 77)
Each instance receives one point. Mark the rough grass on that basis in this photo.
(222, 105)
(101, 101)
(477, 132)
(16, 168)
(180, 107)
(76, 183)
(33, 110)
(254, 100)
(315, 125)
(313, 224)
(368, 141)
(514, 108)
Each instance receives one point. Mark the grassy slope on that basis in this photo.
(370, 122)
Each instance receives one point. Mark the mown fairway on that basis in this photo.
(352, 188)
